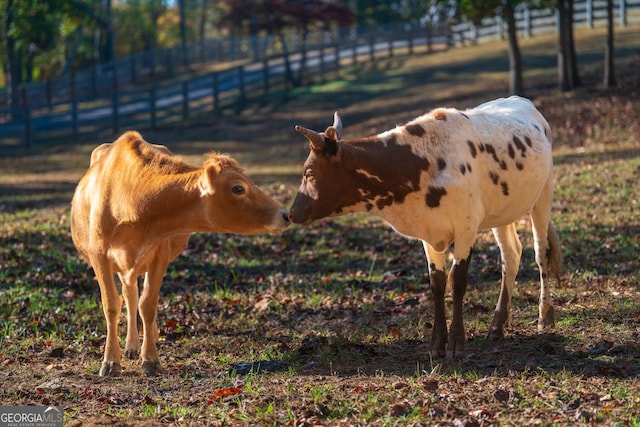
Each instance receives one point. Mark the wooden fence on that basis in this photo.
(116, 97)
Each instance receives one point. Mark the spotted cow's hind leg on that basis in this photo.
(510, 252)
(546, 252)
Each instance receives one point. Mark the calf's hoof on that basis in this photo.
(110, 369)
(455, 351)
(152, 368)
(132, 353)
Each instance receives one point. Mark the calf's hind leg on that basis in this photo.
(510, 252)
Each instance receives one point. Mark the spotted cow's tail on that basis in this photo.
(555, 255)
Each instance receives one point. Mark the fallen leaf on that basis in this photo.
(222, 393)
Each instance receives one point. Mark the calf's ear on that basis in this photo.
(206, 183)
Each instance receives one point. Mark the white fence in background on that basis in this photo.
(119, 95)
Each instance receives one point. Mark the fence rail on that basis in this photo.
(114, 96)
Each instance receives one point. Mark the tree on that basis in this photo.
(609, 70)
(476, 10)
(568, 77)
(278, 17)
(34, 28)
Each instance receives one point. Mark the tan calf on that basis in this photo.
(133, 212)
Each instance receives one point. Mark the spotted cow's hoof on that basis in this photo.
(110, 369)
(495, 334)
(547, 322)
(152, 368)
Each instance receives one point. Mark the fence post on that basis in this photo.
(527, 20)
(152, 106)
(216, 98)
(410, 40)
(623, 13)
(241, 101)
(589, 13)
(322, 70)
(133, 69)
(336, 53)
(354, 50)
(27, 117)
(48, 94)
(372, 54)
(74, 104)
(429, 35)
(390, 47)
(94, 81)
(265, 73)
(185, 100)
(114, 99)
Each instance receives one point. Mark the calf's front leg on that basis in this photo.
(148, 310)
(112, 307)
(130, 292)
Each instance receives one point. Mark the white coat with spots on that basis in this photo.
(441, 178)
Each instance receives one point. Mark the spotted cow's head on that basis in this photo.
(323, 176)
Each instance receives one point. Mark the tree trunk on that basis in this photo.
(14, 74)
(564, 78)
(609, 68)
(183, 31)
(516, 86)
(573, 58)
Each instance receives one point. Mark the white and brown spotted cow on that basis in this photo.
(441, 178)
(133, 212)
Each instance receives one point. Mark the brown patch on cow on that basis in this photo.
(481, 147)
(464, 115)
(385, 201)
(434, 195)
(442, 163)
(503, 165)
(377, 185)
(494, 177)
(391, 139)
(512, 152)
(415, 130)
(519, 145)
(505, 188)
(469, 167)
(472, 148)
(519, 165)
(463, 168)
(491, 150)
(528, 141)
(440, 115)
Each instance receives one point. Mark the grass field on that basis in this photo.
(330, 324)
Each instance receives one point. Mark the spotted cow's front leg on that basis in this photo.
(458, 277)
(438, 280)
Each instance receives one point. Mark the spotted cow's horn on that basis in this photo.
(316, 139)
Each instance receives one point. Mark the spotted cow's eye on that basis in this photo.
(238, 190)
(308, 173)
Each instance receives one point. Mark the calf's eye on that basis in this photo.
(238, 189)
